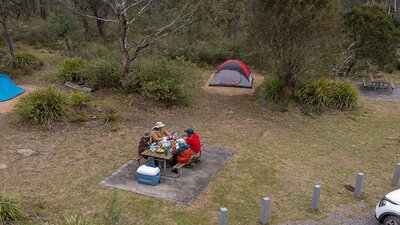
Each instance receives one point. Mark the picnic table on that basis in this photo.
(160, 156)
(378, 81)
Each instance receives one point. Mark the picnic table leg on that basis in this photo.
(165, 166)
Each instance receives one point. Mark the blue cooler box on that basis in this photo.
(148, 175)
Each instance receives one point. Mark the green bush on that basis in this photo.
(75, 220)
(78, 98)
(94, 50)
(328, 94)
(25, 59)
(103, 74)
(10, 209)
(274, 88)
(205, 53)
(72, 70)
(168, 81)
(43, 106)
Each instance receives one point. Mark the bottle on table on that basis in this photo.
(152, 149)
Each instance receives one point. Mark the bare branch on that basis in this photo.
(111, 5)
(140, 11)
(131, 5)
(86, 15)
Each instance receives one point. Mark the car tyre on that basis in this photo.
(392, 220)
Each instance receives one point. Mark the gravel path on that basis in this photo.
(343, 216)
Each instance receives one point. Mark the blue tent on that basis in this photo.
(8, 89)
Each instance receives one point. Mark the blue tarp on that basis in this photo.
(8, 89)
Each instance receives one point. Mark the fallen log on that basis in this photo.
(78, 87)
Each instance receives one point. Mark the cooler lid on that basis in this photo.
(148, 170)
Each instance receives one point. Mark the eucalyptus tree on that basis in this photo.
(138, 15)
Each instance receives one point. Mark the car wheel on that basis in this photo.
(392, 220)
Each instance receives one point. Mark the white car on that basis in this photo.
(388, 209)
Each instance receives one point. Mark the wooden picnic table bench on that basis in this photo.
(193, 158)
(378, 82)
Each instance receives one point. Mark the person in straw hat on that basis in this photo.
(159, 131)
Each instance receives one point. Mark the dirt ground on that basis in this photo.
(8, 106)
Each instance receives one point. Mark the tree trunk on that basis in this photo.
(85, 24)
(102, 29)
(43, 9)
(10, 45)
(233, 25)
(124, 49)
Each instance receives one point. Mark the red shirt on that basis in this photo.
(194, 143)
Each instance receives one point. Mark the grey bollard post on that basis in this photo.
(315, 197)
(396, 175)
(262, 98)
(265, 211)
(359, 180)
(223, 219)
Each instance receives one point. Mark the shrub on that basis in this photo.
(103, 74)
(322, 94)
(10, 209)
(168, 81)
(75, 220)
(206, 53)
(25, 59)
(78, 98)
(72, 70)
(274, 88)
(95, 50)
(43, 106)
(345, 96)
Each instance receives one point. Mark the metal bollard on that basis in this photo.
(396, 175)
(223, 219)
(262, 98)
(315, 197)
(265, 211)
(359, 180)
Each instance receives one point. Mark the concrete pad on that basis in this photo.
(183, 189)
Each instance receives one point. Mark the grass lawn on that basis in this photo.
(279, 155)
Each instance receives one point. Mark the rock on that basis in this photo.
(3, 166)
(26, 152)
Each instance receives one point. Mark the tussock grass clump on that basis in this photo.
(78, 98)
(328, 94)
(26, 59)
(110, 117)
(10, 209)
(43, 106)
(75, 220)
(274, 88)
(72, 70)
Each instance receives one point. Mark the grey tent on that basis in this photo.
(233, 73)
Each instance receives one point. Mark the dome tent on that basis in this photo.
(8, 89)
(233, 73)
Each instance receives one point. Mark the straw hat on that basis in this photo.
(159, 124)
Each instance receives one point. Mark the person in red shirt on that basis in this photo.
(181, 155)
(193, 141)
